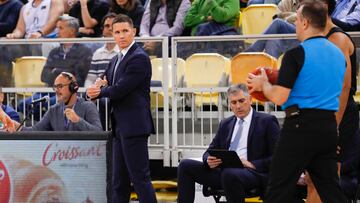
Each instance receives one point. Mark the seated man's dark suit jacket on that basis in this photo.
(130, 93)
(263, 134)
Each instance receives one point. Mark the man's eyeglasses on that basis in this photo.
(59, 86)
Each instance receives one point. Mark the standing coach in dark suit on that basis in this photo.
(127, 84)
(251, 134)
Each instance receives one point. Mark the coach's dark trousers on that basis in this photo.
(131, 164)
(234, 181)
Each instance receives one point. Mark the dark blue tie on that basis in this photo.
(235, 143)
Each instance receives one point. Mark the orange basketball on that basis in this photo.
(272, 75)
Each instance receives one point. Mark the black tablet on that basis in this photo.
(229, 159)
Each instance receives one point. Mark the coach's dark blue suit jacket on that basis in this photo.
(129, 95)
(263, 134)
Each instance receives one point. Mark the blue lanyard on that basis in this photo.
(66, 120)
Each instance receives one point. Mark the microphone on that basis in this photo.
(42, 99)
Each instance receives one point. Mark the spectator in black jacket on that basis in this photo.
(9, 15)
(90, 13)
(68, 57)
(132, 8)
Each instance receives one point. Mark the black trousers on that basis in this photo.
(307, 142)
(348, 128)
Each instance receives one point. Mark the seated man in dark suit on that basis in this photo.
(251, 134)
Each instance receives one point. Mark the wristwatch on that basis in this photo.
(41, 33)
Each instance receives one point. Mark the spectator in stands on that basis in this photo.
(132, 8)
(283, 24)
(100, 62)
(163, 18)
(102, 56)
(68, 4)
(9, 15)
(69, 57)
(347, 14)
(288, 5)
(275, 47)
(37, 19)
(286, 9)
(71, 113)
(279, 26)
(215, 16)
(263, 2)
(251, 134)
(346, 26)
(90, 13)
(8, 109)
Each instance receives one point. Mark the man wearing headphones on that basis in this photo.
(71, 113)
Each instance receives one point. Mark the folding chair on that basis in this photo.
(244, 63)
(157, 99)
(27, 71)
(207, 70)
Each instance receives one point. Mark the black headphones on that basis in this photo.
(73, 86)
